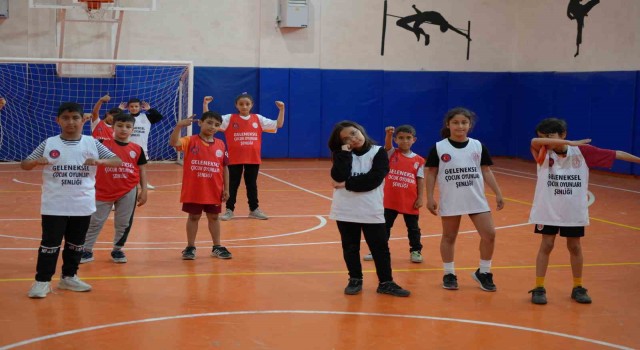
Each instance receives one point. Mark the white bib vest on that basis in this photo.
(460, 179)
(68, 185)
(361, 207)
(561, 190)
(141, 130)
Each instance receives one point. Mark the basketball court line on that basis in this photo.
(312, 312)
(310, 273)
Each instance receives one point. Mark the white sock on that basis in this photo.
(485, 266)
(449, 268)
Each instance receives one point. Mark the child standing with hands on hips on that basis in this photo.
(560, 202)
(205, 180)
(358, 172)
(460, 166)
(243, 132)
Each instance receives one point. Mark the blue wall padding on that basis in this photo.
(421, 105)
(636, 125)
(353, 95)
(532, 101)
(489, 96)
(305, 103)
(613, 105)
(274, 86)
(599, 105)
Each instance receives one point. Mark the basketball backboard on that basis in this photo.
(115, 5)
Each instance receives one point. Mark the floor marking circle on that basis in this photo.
(312, 312)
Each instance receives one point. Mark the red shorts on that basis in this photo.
(197, 209)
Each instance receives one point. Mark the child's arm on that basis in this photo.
(627, 157)
(142, 196)
(421, 187)
(29, 164)
(35, 158)
(174, 139)
(388, 137)
(539, 142)
(3, 102)
(373, 178)
(493, 184)
(205, 103)
(95, 113)
(430, 181)
(225, 190)
(280, 119)
(341, 165)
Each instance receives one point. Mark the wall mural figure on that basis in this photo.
(413, 23)
(578, 11)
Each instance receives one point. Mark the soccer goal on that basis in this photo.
(34, 88)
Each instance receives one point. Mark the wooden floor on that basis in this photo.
(283, 289)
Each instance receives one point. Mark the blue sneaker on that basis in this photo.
(87, 256)
(117, 255)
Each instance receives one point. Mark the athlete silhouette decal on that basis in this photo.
(578, 11)
(414, 22)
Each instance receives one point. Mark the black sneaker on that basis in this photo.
(538, 295)
(450, 281)
(354, 287)
(580, 295)
(392, 288)
(189, 253)
(220, 252)
(117, 255)
(485, 280)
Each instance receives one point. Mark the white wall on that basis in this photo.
(507, 35)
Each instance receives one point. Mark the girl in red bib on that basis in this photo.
(243, 132)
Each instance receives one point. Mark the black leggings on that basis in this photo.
(376, 238)
(74, 230)
(413, 230)
(250, 182)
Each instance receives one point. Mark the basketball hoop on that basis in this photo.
(94, 9)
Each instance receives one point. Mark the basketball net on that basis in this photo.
(96, 14)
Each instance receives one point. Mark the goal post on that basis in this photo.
(34, 88)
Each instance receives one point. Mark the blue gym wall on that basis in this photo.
(597, 105)
(602, 106)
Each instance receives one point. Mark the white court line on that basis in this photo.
(245, 246)
(296, 186)
(25, 183)
(312, 312)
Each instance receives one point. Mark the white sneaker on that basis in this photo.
(368, 257)
(39, 289)
(74, 284)
(228, 215)
(150, 186)
(258, 214)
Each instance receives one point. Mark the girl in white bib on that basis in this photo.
(460, 166)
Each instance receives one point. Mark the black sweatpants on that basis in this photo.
(413, 230)
(250, 182)
(376, 238)
(74, 230)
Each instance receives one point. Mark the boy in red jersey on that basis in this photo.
(117, 187)
(404, 186)
(205, 180)
(103, 129)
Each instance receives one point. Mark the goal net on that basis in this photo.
(34, 88)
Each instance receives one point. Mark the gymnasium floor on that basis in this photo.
(283, 289)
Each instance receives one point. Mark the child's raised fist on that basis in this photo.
(208, 99)
(280, 104)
